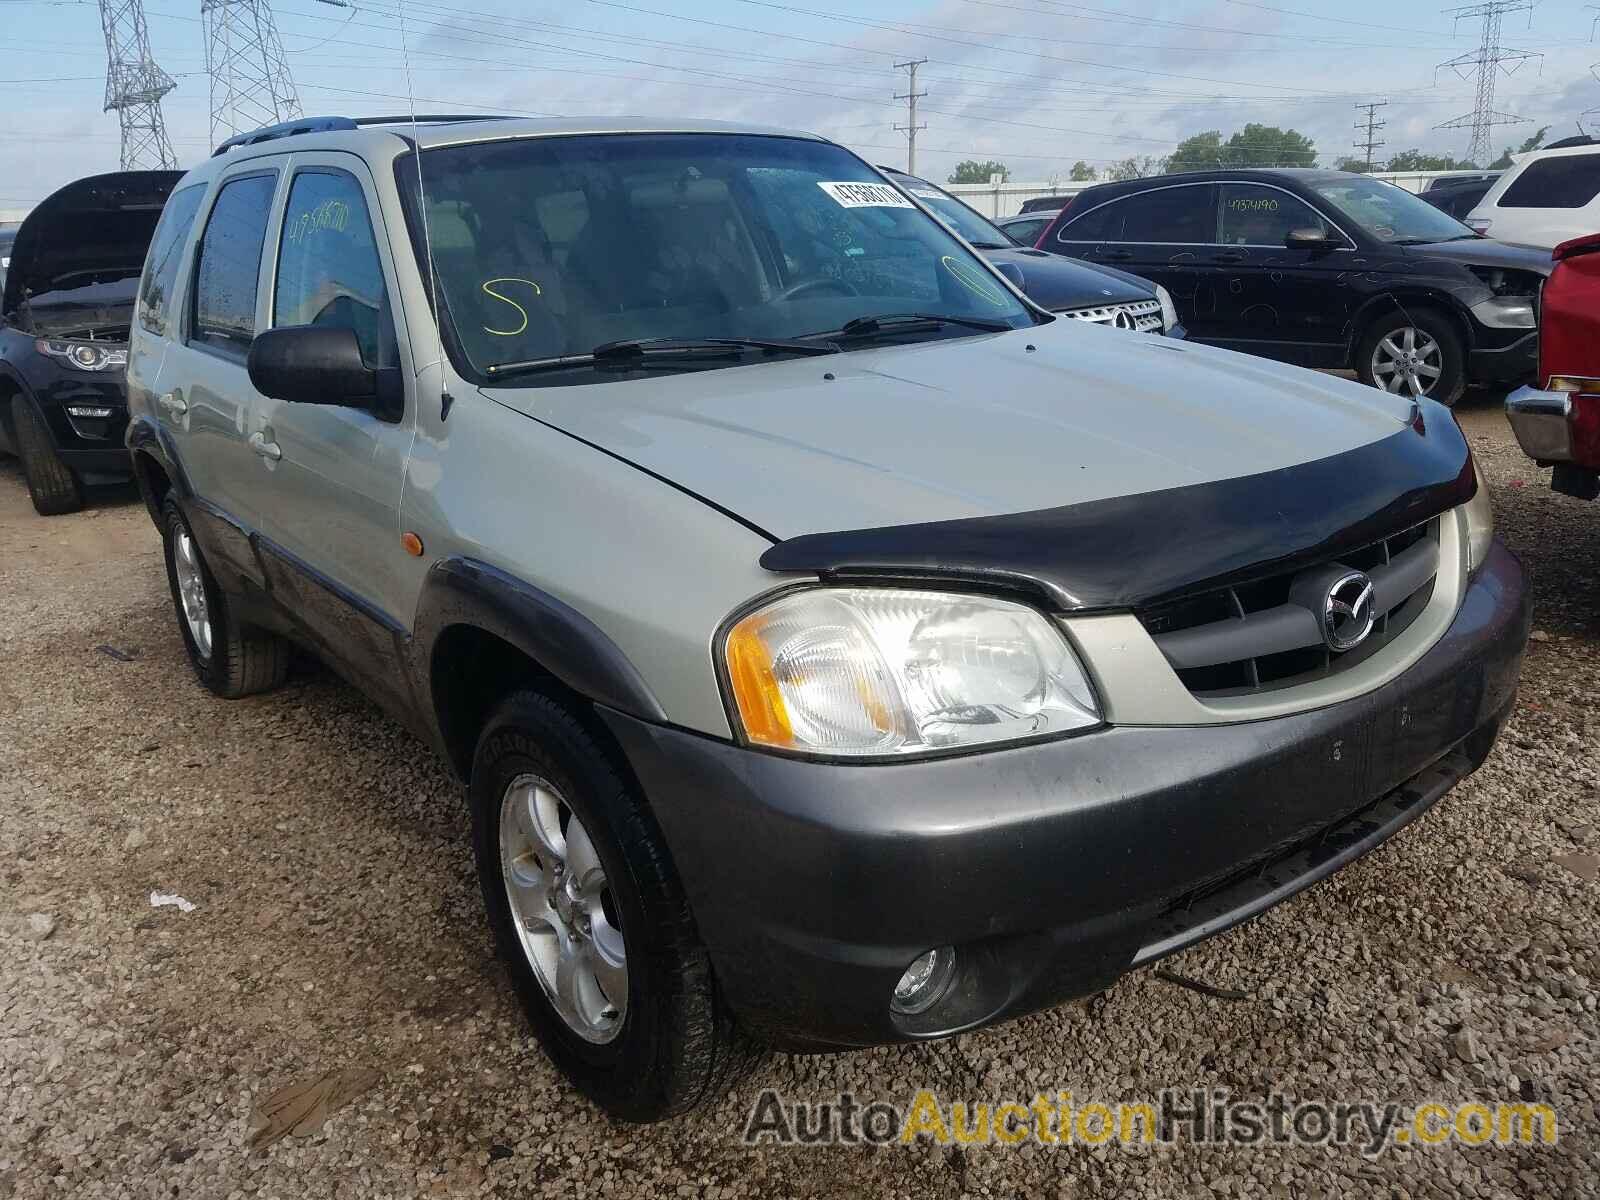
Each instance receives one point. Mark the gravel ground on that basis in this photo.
(337, 925)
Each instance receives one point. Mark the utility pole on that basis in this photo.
(250, 81)
(1371, 125)
(911, 96)
(1486, 63)
(134, 87)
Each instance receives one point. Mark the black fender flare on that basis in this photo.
(464, 591)
(20, 385)
(146, 437)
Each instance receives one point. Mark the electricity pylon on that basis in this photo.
(250, 81)
(135, 86)
(1486, 63)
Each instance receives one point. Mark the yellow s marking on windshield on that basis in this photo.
(521, 312)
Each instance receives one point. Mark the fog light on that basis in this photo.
(77, 411)
(925, 981)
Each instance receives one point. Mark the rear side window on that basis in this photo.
(329, 272)
(166, 253)
(1167, 214)
(230, 264)
(1570, 181)
(1253, 215)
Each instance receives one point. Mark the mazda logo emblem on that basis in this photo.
(1347, 613)
(1123, 320)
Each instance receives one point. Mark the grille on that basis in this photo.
(1143, 315)
(1267, 633)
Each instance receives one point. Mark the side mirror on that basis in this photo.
(312, 364)
(1310, 238)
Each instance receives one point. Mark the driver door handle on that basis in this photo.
(270, 451)
(1230, 256)
(175, 405)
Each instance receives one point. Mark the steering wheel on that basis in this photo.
(822, 283)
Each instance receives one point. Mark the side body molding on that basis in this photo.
(1129, 551)
(464, 591)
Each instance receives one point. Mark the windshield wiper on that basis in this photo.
(858, 327)
(659, 351)
(691, 347)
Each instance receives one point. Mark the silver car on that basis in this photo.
(837, 648)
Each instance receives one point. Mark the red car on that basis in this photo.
(1559, 424)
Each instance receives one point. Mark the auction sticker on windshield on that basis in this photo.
(865, 195)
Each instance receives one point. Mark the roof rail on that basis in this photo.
(269, 133)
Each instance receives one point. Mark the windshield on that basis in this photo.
(1389, 213)
(969, 224)
(552, 246)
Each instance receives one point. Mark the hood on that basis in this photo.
(93, 232)
(1061, 414)
(1486, 252)
(1055, 282)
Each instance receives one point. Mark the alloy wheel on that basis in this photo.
(192, 592)
(565, 916)
(1408, 361)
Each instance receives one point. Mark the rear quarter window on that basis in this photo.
(1570, 181)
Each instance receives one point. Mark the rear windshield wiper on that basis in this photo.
(914, 323)
(659, 351)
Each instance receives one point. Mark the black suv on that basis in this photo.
(1322, 269)
(68, 303)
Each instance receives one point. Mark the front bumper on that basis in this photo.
(1513, 362)
(1052, 868)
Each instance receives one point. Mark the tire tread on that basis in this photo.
(52, 486)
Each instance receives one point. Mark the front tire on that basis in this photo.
(1414, 352)
(228, 658)
(591, 920)
(52, 486)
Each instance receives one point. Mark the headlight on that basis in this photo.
(889, 671)
(1480, 523)
(1506, 312)
(1169, 310)
(86, 356)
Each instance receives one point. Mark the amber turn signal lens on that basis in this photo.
(411, 543)
(755, 687)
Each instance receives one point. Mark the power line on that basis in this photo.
(1486, 63)
(1371, 125)
(911, 96)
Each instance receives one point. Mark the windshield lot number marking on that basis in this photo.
(865, 195)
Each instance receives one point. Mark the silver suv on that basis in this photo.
(838, 649)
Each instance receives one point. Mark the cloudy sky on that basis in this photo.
(1035, 83)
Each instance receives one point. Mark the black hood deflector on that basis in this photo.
(93, 229)
(1132, 551)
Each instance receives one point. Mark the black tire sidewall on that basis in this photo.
(1452, 380)
(531, 736)
(207, 670)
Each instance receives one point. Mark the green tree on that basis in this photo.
(1532, 143)
(1268, 146)
(1136, 167)
(1416, 160)
(1253, 146)
(1199, 152)
(973, 171)
(1347, 163)
(1082, 172)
